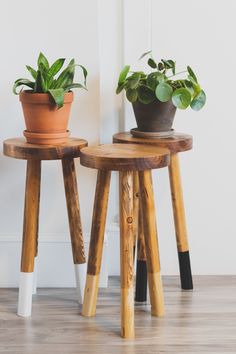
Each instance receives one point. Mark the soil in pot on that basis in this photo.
(156, 116)
(45, 123)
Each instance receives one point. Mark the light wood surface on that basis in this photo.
(178, 204)
(141, 254)
(31, 216)
(18, 148)
(73, 209)
(198, 322)
(135, 208)
(96, 242)
(151, 243)
(124, 157)
(126, 253)
(176, 143)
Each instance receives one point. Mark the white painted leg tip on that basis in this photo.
(80, 276)
(25, 294)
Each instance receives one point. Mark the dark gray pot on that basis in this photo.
(155, 116)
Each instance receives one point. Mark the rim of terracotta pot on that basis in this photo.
(46, 135)
(28, 96)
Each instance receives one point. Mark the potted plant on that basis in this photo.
(46, 105)
(156, 95)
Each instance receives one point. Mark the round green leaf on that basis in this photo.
(163, 92)
(145, 95)
(199, 101)
(152, 63)
(131, 95)
(181, 98)
(133, 80)
(123, 74)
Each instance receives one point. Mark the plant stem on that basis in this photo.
(181, 72)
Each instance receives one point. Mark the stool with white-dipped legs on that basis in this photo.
(34, 154)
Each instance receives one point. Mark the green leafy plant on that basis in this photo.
(162, 83)
(49, 79)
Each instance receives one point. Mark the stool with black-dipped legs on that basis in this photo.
(177, 143)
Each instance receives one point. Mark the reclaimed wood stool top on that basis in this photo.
(177, 143)
(20, 149)
(124, 157)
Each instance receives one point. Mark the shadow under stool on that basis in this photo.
(18, 148)
(127, 159)
(175, 144)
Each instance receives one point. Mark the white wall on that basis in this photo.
(103, 35)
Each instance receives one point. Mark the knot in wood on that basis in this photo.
(129, 220)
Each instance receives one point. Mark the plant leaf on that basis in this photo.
(120, 88)
(39, 85)
(32, 71)
(133, 81)
(192, 75)
(75, 85)
(56, 67)
(58, 96)
(21, 82)
(145, 95)
(66, 77)
(42, 60)
(199, 101)
(85, 72)
(181, 98)
(123, 74)
(163, 92)
(132, 95)
(152, 63)
(144, 54)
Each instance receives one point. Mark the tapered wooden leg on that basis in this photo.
(77, 241)
(96, 243)
(30, 232)
(180, 223)
(126, 254)
(141, 271)
(135, 209)
(151, 243)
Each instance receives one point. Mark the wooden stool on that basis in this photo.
(19, 149)
(177, 143)
(126, 159)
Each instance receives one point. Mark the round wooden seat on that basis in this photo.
(177, 143)
(18, 148)
(124, 157)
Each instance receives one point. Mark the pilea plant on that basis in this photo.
(162, 83)
(48, 79)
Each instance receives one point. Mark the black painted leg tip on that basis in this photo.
(141, 282)
(185, 271)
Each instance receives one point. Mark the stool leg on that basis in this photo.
(151, 243)
(141, 272)
(126, 254)
(73, 209)
(135, 209)
(30, 231)
(96, 243)
(180, 223)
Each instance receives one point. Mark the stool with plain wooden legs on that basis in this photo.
(34, 154)
(177, 143)
(127, 159)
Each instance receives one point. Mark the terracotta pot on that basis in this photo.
(156, 116)
(45, 123)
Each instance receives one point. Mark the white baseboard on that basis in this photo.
(55, 263)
